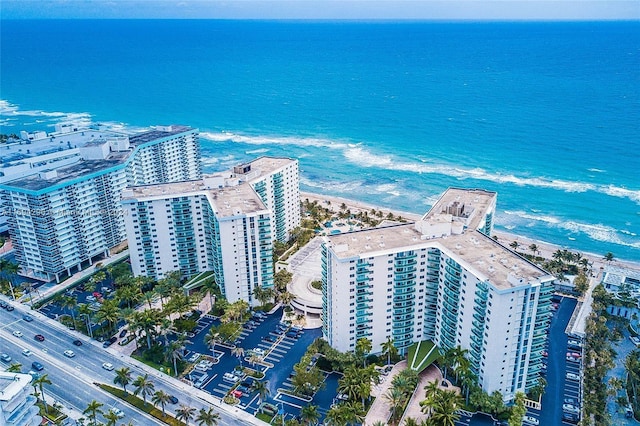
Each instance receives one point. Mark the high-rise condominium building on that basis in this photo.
(17, 405)
(64, 208)
(222, 223)
(442, 279)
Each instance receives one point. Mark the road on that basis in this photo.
(73, 378)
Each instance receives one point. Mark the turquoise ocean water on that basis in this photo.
(389, 113)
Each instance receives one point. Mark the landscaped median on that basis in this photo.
(140, 404)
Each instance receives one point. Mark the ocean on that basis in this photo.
(389, 113)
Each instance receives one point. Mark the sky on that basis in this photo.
(323, 9)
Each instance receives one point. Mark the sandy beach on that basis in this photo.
(545, 249)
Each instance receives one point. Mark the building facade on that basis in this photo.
(17, 405)
(443, 279)
(222, 223)
(67, 214)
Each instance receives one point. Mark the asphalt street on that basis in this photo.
(73, 378)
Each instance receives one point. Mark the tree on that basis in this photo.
(238, 352)
(69, 303)
(609, 257)
(396, 398)
(86, 312)
(9, 270)
(92, 411)
(185, 413)
(581, 283)
(123, 377)
(533, 248)
(161, 398)
(389, 349)
(207, 417)
(175, 351)
(40, 382)
(515, 245)
(109, 311)
(111, 417)
(15, 367)
(143, 386)
(363, 347)
(518, 410)
(211, 338)
(309, 413)
(262, 388)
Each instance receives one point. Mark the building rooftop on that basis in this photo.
(226, 202)
(260, 167)
(482, 255)
(84, 138)
(12, 383)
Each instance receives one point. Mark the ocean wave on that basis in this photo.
(257, 151)
(272, 140)
(596, 170)
(388, 188)
(596, 232)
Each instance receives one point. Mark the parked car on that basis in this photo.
(270, 338)
(39, 337)
(107, 366)
(570, 417)
(173, 399)
(69, 353)
(572, 376)
(236, 393)
(3, 304)
(9, 308)
(574, 342)
(123, 333)
(635, 340)
(37, 366)
(530, 420)
(572, 401)
(569, 408)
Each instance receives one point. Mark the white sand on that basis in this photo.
(545, 249)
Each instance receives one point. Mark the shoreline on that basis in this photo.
(545, 249)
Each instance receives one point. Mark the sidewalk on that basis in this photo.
(381, 409)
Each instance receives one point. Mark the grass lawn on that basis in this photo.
(139, 404)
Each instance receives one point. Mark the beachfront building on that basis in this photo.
(64, 210)
(222, 223)
(17, 405)
(442, 279)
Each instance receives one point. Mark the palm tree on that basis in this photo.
(111, 417)
(609, 257)
(431, 390)
(175, 350)
(143, 386)
(15, 367)
(533, 248)
(262, 387)
(185, 413)
(211, 338)
(70, 303)
(92, 411)
(389, 349)
(238, 352)
(286, 298)
(109, 311)
(123, 377)
(335, 416)
(309, 413)
(161, 398)
(515, 245)
(40, 382)
(86, 312)
(396, 398)
(207, 417)
(363, 347)
(9, 270)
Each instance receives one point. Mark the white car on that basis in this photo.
(26, 352)
(69, 353)
(118, 412)
(258, 351)
(107, 366)
(18, 333)
(572, 376)
(570, 408)
(530, 420)
(635, 340)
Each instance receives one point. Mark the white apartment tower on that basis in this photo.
(17, 405)
(222, 223)
(68, 212)
(443, 279)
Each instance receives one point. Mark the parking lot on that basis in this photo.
(280, 346)
(563, 376)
